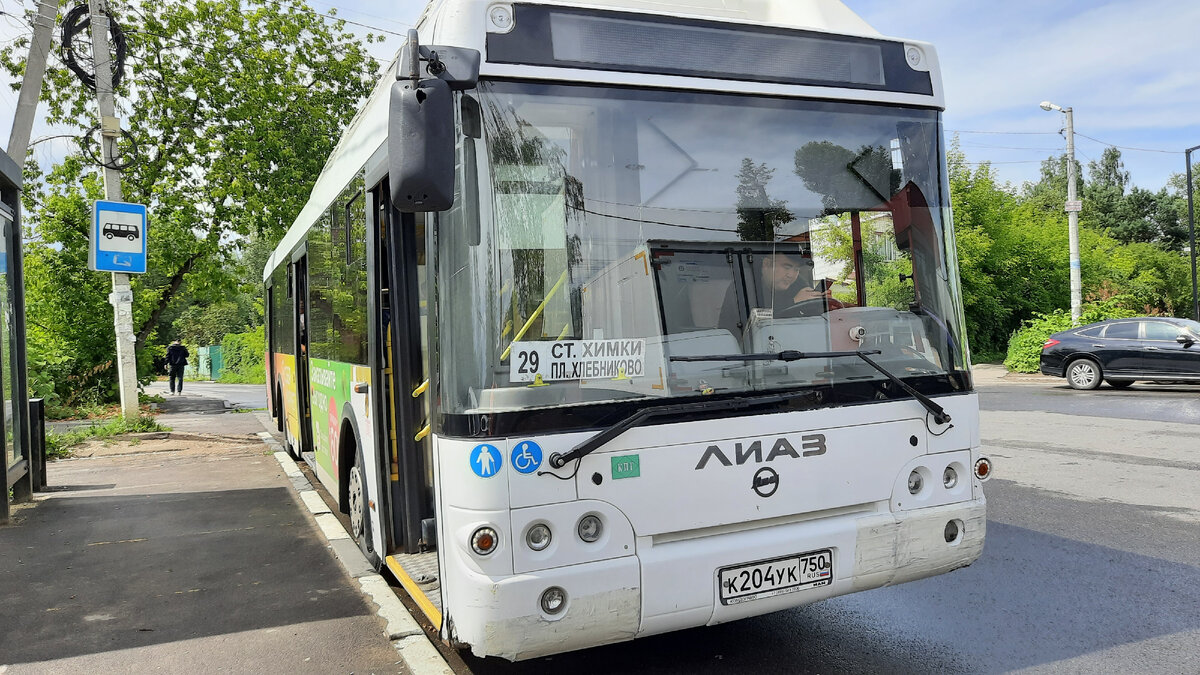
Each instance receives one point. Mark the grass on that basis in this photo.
(59, 444)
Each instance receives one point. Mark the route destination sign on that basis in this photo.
(577, 360)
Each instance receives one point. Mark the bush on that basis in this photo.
(1025, 345)
(244, 355)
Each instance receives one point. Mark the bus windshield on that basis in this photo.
(600, 231)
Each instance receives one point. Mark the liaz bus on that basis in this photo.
(605, 320)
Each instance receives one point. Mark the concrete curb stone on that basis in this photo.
(420, 656)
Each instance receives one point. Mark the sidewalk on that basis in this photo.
(195, 556)
(985, 374)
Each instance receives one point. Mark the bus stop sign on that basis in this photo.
(118, 238)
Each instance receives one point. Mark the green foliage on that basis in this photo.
(230, 110)
(759, 216)
(1025, 347)
(244, 355)
(59, 445)
(209, 324)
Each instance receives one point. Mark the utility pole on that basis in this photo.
(110, 129)
(1073, 223)
(1072, 208)
(1187, 154)
(31, 85)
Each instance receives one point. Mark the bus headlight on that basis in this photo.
(484, 541)
(915, 482)
(538, 537)
(589, 528)
(554, 599)
(949, 477)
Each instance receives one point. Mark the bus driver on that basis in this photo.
(784, 279)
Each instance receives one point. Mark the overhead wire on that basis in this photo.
(1126, 147)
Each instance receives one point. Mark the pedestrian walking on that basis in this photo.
(177, 356)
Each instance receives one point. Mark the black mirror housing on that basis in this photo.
(421, 146)
(1185, 340)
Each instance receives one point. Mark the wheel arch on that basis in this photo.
(1078, 356)
(349, 440)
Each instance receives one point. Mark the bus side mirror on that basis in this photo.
(421, 146)
(421, 123)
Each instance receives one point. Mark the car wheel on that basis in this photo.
(360, 516)
(1119, 384)
(1084, 374)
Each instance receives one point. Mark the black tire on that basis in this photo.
(278, 409)
(1119, 384)
(1084, 374)
(356, 505)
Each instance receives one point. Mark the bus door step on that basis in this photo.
(418, 574)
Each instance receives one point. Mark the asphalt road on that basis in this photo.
(1092, 562)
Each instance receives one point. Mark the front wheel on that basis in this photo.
(1084, 374)
(360, 516)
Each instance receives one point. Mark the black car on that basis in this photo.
(1121, 351)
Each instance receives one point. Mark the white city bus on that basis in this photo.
(603, 322)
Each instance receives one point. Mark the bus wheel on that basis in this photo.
(360, 515)
(278, 408)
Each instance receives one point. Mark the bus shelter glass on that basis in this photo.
(602, 231)
(8, 368)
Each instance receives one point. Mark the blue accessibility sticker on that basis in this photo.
(526, 456)
(485, 460)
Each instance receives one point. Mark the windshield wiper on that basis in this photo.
(558, 461)
(940, 416)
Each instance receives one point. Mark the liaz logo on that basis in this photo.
(810, 446)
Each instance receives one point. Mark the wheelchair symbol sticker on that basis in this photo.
(527, 457)
(485, 460)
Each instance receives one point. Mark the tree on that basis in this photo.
(867, 179)
(230, 110)
(759, 216)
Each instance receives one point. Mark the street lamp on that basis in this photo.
(1072, 207)
(1187, 154)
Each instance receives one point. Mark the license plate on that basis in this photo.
(776, 577)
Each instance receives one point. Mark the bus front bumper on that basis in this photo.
(674, 585)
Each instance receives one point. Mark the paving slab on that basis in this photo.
(196, 560)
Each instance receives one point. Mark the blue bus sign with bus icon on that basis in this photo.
(118, 238)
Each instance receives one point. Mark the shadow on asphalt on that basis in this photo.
(191, 405)
(115, 572)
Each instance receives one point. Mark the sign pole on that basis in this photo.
(110, 128)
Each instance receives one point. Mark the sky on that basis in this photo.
(1126, 67)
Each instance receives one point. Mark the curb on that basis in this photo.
(406, 635)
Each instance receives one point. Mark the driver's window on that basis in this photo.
(1162, 331)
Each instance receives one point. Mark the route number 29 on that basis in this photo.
(527, 362)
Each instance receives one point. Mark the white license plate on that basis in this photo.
(776, 577)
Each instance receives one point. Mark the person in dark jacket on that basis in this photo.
(176, 361)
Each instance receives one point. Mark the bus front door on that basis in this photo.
(399, 366)
(303, 393)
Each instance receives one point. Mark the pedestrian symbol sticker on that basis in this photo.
(527, 456)
(485, 460)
